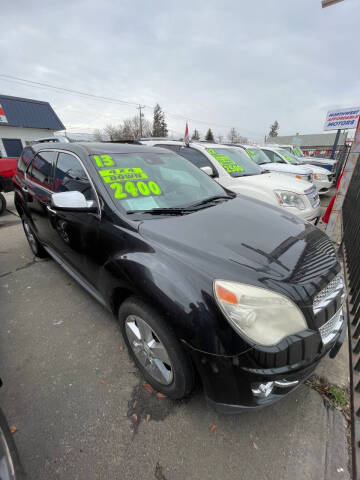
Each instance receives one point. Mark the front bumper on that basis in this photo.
(228, 381)
(323, 186)
(310, 214)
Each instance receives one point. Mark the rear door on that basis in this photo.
(74, 235)
(37, 190)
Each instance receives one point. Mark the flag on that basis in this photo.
(186, 137)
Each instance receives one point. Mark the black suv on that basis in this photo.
(201, 279)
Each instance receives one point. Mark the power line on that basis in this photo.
(32, 83)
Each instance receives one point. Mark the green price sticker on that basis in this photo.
(225, 161)
(122, 174)
(288, 157)
(103, 160)
(135, 189)
(250, 152)
(297, 151)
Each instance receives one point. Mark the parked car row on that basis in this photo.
(237, 169)
(296, 151)
(205, 282)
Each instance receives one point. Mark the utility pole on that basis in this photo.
(141, 115)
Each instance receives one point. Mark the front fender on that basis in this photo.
(183, 295)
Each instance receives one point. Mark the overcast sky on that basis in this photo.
(226, 63)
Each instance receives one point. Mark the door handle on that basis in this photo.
(51, 210)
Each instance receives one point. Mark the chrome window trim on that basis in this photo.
(57, 150)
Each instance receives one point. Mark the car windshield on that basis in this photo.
(289, 157)
(146, 181)
(257, 155)
(298, 152)
(234, 161)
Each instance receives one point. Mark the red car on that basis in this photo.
(7, 171)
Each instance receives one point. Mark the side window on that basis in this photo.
(70, 176)
(274, 157)
(196, 158)
(25, 159)
(41, 169)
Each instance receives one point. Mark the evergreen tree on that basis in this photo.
(274, 129)
(195, 135)
(209, 136)
(159, 123)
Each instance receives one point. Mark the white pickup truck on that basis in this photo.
(231, 167)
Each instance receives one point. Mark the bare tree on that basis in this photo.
(235, 137)
(219, 138)
(98, 135)
(129, 129)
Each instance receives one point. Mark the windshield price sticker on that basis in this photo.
(225, 161)
(126, 182)
(135, 189)
(251, 153)
(288, 157)
(122, 174)
(297, 151)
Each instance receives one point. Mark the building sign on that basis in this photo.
(3, 118)
(342, 118)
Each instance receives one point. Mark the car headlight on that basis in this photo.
(321, 176)
(290, 199)
(263, 316)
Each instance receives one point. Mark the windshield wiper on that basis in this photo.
(161, 211)
(207, 200)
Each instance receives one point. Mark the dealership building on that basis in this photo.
(317, 144)
(22, 121)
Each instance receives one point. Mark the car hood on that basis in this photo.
(287, 168)
(268, 182)
(319, 170)
(325, 161)
(242, 239)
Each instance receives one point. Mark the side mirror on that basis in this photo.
(208, 170)
(73, 202)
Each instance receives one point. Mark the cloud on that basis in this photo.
(229, 63)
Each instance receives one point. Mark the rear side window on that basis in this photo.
(195, 157)
(70, 176)
(41, 169)
(25, 159)
(274, 157)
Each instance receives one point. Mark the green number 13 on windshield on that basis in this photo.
(104, 160)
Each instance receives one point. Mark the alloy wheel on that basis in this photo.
(149, 350)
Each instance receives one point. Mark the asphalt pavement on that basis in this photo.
(82, 413)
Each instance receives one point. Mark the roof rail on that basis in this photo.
(61, 139)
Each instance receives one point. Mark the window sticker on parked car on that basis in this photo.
(225, 161)
(125, 182)
(122, 174)
(297, 151)
(250, 153)
(288, 157)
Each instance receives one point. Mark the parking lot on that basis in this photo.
(81, 410)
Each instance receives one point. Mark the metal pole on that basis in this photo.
(332, 156)
(140, 125)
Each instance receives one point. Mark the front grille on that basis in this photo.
(332, 327)
(313, 197)
(317, 259)
(329, 293)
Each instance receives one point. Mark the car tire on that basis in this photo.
(2, 203)
(9, 457)
(155, 349)
(36, 247)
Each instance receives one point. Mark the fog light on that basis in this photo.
(262, 390)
